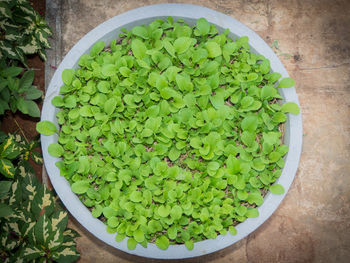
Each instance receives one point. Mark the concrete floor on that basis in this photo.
(313, 222)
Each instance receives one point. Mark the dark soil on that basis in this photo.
(23, 123)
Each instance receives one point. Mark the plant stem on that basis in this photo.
(13, 117)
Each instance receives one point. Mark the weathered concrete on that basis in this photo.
(313, 222)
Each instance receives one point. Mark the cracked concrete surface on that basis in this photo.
(313, 222)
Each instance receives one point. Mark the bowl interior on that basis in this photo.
(109, 31)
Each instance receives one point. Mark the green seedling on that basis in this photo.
(172, 134)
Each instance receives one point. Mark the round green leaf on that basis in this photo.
(109, 70)
(176, 212)
(277, 189)
(189, 244)
(113, 222)
(67, 76)
(252, 212)
(131, 243)
(138, 48)
(232, 230)
(46, 127)
(97, 48)
(139, 236)
(163, 211)
(80, 187)
(136, 196)
(57, 101)
(214, 49)
(110, 106)
(182, 44)
(162, 242)
(120, 237)
(55, 150)
(203, 26)
(286, 83)
(140, 31)
(290, 107)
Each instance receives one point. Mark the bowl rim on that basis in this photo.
(77, 208)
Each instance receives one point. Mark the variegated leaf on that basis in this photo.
(10, 244)
(24, 168)
(31, 47)
(19, 260)
(28, 227)
(7, 168)
(21, 56)
(15, 194)
(42, 38)
(37, 157)
(43, 202)
(42, 54)
(55, 240)
(69, 243)
(32, 189)
(14, 227)
(18, 138)
(11, 37)
(8, 50)
(15, 216)
(59, 221)
(45, 28)
(66, 254)
(42, 230)
(28, 10)
(31, 252)
(71, 233)
(9, 149)
(9, 25)
(5, 10)
(21, 171)
(7, 242)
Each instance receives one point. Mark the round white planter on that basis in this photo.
(108, 31)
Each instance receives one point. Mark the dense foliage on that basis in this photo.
(32, 223)
(15, 153)
(22, 31)
(18, 93)
(33, 226)
(172, 134)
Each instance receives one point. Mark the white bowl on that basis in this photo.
(108, 31)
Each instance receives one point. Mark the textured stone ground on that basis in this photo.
(313, 222)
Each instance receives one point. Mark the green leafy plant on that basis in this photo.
(18, 93)
(173, 134)
(32, 224)
(22, 31)
(15, 153)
